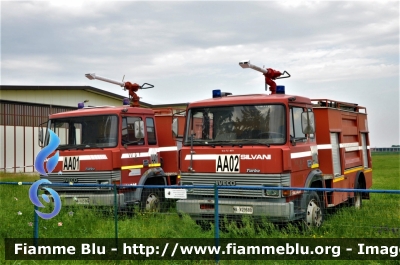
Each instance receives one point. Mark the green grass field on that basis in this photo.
(379, 218)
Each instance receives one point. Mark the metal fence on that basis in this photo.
(220, 209)
(385, 149)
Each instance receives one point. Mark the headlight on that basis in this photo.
(103, 182)
(272, 193)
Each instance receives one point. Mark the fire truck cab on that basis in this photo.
(274, 140)
(124, 145)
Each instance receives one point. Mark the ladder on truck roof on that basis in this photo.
(329, 103)
(168, 111)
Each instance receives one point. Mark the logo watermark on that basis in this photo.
(50, 165)
(45, 152)
(33, 196)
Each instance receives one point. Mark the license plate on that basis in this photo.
(71, 163)
(82, 201)
(243, 209)
(228, 163)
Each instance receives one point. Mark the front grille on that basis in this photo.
(82, 178)
(203, 179)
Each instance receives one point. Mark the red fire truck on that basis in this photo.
(124, 145)
(274, 140)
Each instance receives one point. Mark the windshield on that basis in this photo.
(86, 132)
(248, 124)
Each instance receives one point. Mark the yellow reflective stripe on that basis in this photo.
(338, 179)
(141, 166)
(129, 167)
(314, 165)
(352, 170)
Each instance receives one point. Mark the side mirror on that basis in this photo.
(40, 136)
(139, 129)
(43, 134)
(175, 127)
(307, 122)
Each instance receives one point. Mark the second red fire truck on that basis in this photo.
(273, 140)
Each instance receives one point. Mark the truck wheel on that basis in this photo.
(151, 200)
(356, 201)
(314, 211)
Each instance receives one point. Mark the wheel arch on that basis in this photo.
(314, 180)
(360, 183)
(150, 178)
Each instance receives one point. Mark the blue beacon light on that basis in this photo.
(125, 101)
(280, 89)
(216, 93)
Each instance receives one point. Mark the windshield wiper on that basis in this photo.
(93, 146)
(214, 143)
(78, 147)
(223, 143)
(64, 147)
(197, 142)
(252, 141)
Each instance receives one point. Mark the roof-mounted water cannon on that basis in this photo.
(132, 88)
(270, 75)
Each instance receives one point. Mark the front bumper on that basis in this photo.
(272, 211)
(104, 199)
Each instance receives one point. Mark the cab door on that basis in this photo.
(303, 147)
(134, 151)
(138, 153)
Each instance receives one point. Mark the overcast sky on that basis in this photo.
(347, 51)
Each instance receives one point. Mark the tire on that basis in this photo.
(314, 210)
(356, 201)
(151, 200)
